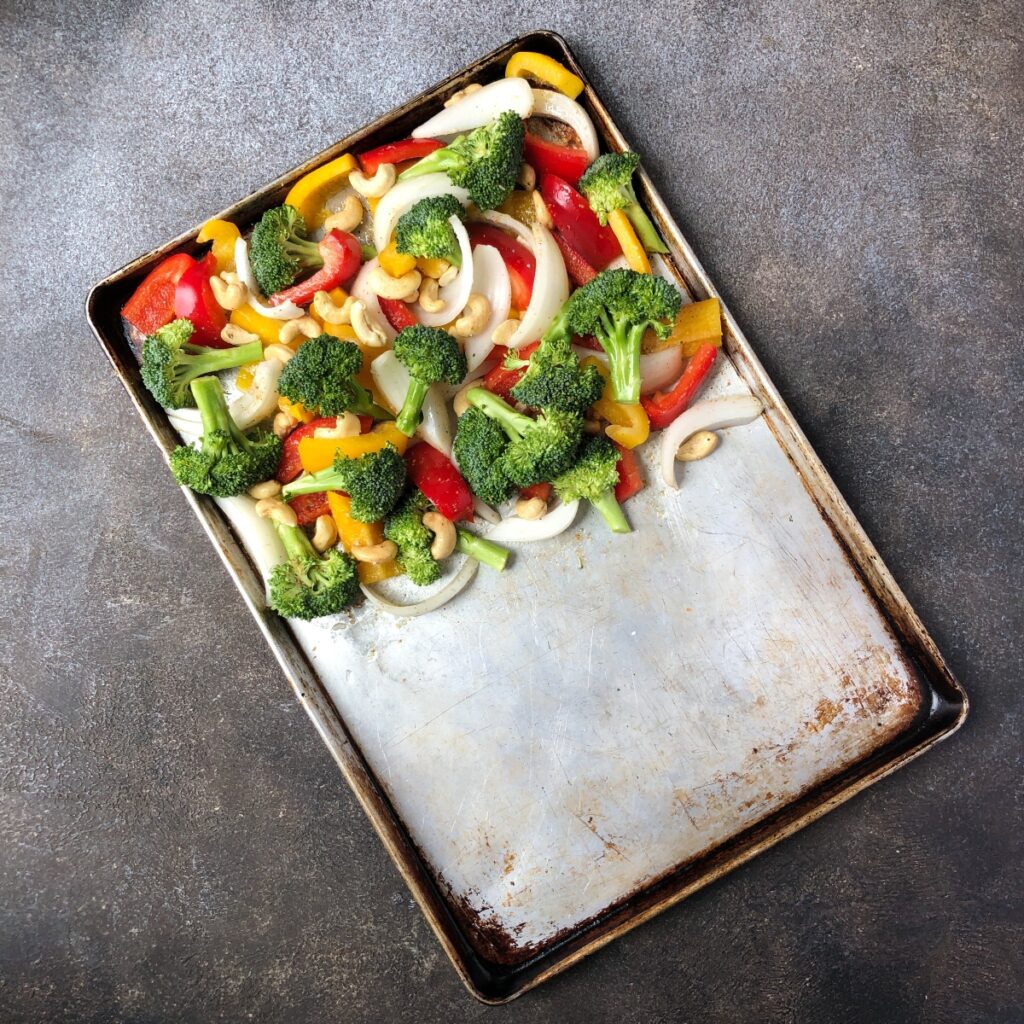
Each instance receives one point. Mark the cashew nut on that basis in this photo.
(388, 287)
(375, 187)
(698, 446)
(448, 276)
(346, 425)
(502, 334)
(235, 335)
(229, 295)
(428, 296)
(531, 508)
(274, 508)
(460, 403)
(326, 533)
(474, 317)
(291, 329)
(374, 553)
(541, 210)
(280, 352)
(462, 94)
(527, 177)
(443, 530)
(347, 218)
(368, 331)
(267, 489)
(328, 311)
(283, 423)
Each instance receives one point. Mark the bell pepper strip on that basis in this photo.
(579, 270)
(248, 319)
(578, 223)
(697, 323)
(223, 234)
(546, 70)
(436, 476)
(628, 425)
(542, 491)
(501, 380)
(316, 453)
(631, 478)
(430, 266)
(308, 508)
(290, 466)
(397, 313)
(296, 410)
(352, 533)
(397, 152)
(152, 304)
(632, 248)
(567, 162)
(309, 194)
(664, 406)
(519, 261)
(246, 375)
(342, 257)
(194, 300)
(394, 262)
(520, 206)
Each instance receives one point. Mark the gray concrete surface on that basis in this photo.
(175, 843)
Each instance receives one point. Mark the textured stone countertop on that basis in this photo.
(175, 842)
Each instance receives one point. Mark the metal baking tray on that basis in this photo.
(581, 742)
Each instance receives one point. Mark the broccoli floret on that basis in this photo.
(404, 527)
(539, 449)
(170, 363)
(608, 185)
(554, 378)
(373, 481)
(485, 162)
(593, 478)
(227, 462)
(279, 249)
(617, 307)
(479, 445)
(321, 376)
(431, 356)
(425, 230)
(309, 585)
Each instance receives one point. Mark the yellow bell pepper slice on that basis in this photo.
(698, 323)
(353, 533)
(432, 267)
(520, 206)
(632, 249)
(527, 64)
(248, 319)
(316, 453)
(311, 191)
(628, 424)
(246, 375)
(295, 409)
(223, 234)
(394, 262)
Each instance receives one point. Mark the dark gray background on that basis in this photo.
(175, 843)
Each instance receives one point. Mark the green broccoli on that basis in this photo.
(608, 185)
(309, 585)
(486, 552)
(321, 376)
(554, 378)
(593, 478)
(540, 448)
(170, 363)
(227, 462)
(279, 249)
(479, 445)
(404, 527)
(431, 356)
(425, 230)
(617, 307)
(373, 481)
(485, 162)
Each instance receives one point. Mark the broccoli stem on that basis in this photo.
(645, 229)
(439, 160)
(305, 250)
(296, 543)
(213, 409)
(314, 483)
(623, 348)
(212, 360)
(612, 512)
(484, 551)
(409, 415)
(515, 424)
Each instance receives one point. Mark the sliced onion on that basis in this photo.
(247, 409)
(456, 293)
(404, 196)
(392, 380)
(485, 512)
(550, 288)
(515, 530)
(507, 223)
(711, 414)
(657, 369)
(548, 103)
(360, 289)
(479, 108)
(409, 611)
(490, 279)
(258, 536)
(286, 311)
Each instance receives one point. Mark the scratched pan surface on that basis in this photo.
(572, 746)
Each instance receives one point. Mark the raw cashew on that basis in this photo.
(291, 329)
(283, 423)
(460, 403)
(280, 352)
(267, 489)
(375, 187)
(367, 330)
(229, 295)
(443, 530)
(448, 276)
(474, 317)
(326, 534)
(235, 335)
(348, 218)
(388, 287)
(462, 94)
(428, 296)
(346, 425)
(274, 508)
(502, 334)
(698, 446)
(328, 311)
(375, 553)
(531, 508)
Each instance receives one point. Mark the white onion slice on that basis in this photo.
(490, 279)
(515, 530)
(711, 414)
(404, 196)
(485, 512)
(657, 369)
(247, 409)
(556, 105)
(360, 289)
(507, 223)
(479, 108)
(550, 289)
(409, 611)
(456, 293)
(258, 536)
(392, 380)
(286, 311)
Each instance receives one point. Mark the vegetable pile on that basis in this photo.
(449, 341)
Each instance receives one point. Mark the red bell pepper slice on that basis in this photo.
(519, 261)
(545, 157)
(152, 304)
(542, 491)
(397, 313)
(308, 508)
(436, 476)
(397, 152)
(664, 406)
(342, 256)
(631, 478)
(500, 381)
(579, 270)
(194, 300)
(574, 218)
(289, 468)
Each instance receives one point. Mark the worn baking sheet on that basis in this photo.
(575, 744)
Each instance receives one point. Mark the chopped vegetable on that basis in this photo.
(484, 551)
(404, 528)
(628, 426)
(340, 255)
(194, 300)
(436, 476)
(519, 261)
(310, 193)
(697, 323)
(554, 378)
(279, 249)
(397, 153)
(567, 162)
(662, 408)
(353, 534)
(713, 414)
(425, 230)
(631, 477)
(579, 270)
(308, 508)
(431, 356)
(608, 186)
(480, 444)
(542, 68)
(593, 477)
(480, 108)
(308, 585)
(223, 234)
(578, 223)
(152, 303)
